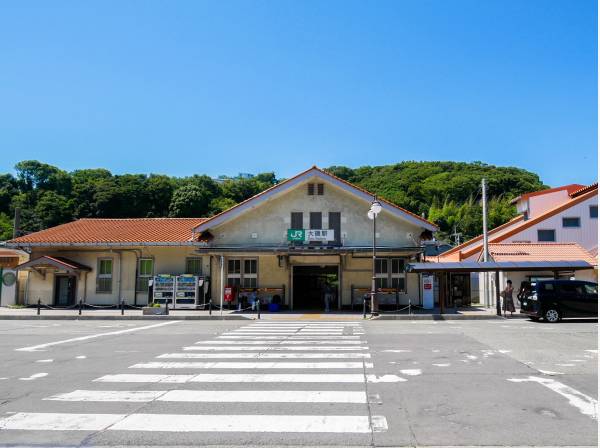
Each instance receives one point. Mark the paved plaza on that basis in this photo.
(313, 380)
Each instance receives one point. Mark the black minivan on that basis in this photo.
(554, 299)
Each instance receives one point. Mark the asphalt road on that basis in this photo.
(304, 382)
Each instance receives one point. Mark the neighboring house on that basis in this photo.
(297, 238)
(556, 222)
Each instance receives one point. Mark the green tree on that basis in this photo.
(189, 201)
(52, 209)
(6, 227)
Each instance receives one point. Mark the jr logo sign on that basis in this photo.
(296, 235)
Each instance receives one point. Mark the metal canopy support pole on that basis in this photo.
(222, 284)
(498, 307)
(373, 278)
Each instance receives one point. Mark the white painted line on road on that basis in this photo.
(549, 372)
(278, 343)
(411, 372)
(93, 336)
(143, 378)
(136, 396)
(586, 404)
(194, 423)
(301, 348)
(286, 337)
(215, 396)
(80, 357)
(263, 355)
(60, 422)
(592, 351)
(34, 376)
(247, 423)
(566, 365)
(250, 378)
(445, 364)
(252, 365)
(396, 351)
(45, 360)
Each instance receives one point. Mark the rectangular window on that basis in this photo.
(297, 221)
(145, 273)
(104, 277)
(335, 219)
(571, 222)
(546, 235)
(193, 266)
(593, 211)
(311, 189)
(316, 220)
(320, 189)
(242, 273)
(389, 273)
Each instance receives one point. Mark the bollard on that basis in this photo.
(210, 307)
(364, 307)
(39, 306)
(167, 306)
(80, 306)
(258, 308)
(409, 313)
(122, 307)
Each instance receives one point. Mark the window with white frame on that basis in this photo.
(571, 221)
(381, 273)
(546, 235)
(145, 273)
(250, 274)
(193, 265)
(234, 272)
(104, 275)
(593, 211)
(242, 272)
(389, 273)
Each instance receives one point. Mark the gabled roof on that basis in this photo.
(281, 187)
(568, 188)
(519, 227)
(539, 252)
(114, 232)
(47, 261)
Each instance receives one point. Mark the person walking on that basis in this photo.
(507, 295)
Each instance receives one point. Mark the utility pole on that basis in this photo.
(456, 236)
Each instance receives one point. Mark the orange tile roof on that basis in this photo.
(584, 190)
(540, 252)
(115, 231)
(569, 188)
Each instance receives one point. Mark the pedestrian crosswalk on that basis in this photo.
(300, 370)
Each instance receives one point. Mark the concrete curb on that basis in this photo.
(436, 317)
(140, 317)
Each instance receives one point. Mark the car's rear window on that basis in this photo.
(548, 286)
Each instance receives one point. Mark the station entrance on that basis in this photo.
(312, 283)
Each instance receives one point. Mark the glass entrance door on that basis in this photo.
(64, 290)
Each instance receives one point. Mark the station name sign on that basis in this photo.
(310, 235)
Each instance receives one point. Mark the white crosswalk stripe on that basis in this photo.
(244, 356)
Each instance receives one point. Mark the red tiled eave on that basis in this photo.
(115, 231)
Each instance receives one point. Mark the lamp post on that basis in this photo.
(372, 214)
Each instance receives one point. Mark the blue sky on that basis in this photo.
(224, 87)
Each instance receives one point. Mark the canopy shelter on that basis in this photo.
(497, 266)
(45, 263)
(444, 269)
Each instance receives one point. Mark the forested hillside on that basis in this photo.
(447, 193)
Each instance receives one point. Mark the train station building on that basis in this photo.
(304, 237)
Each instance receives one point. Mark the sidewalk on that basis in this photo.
(473, 313)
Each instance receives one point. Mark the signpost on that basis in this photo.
(307, 235)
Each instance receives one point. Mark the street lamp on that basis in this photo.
(372, 214)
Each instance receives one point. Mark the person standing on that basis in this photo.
(507, 295)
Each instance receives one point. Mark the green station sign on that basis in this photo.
(296, 235)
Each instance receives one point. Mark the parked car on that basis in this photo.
(554, 299)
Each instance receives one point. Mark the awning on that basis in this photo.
(502, 266)
(57, 263)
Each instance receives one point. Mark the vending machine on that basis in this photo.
(187, 291)
(163, 288)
